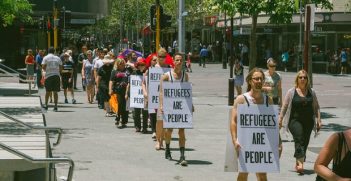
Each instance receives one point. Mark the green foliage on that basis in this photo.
(11, 10)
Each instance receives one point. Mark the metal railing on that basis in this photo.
(17, 74)
(42, 160)
(59, 130)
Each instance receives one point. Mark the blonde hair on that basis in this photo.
(161, 51)
(297, 78)
(117, 62)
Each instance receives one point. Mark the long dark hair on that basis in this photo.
(249, 77)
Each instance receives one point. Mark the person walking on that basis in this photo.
(102, 82)
(140, 69)
(118, 85)
(203, 56)
(52, 65)
(38, 60)
(343, 59)
(273, 84)
(29, 61)
(175, 75)
(254, 95)
(285, 59)
(145, 84)
(338, 149)
(88, 76)
(67, 77)
(98, 63)
(81, 57)
(300, 113)
(239, 76)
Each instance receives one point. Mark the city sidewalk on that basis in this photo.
(103, 152)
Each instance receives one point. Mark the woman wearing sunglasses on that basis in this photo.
(300, 115)
(272, 84)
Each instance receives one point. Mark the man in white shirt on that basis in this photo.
(52, 65)
(97, 64)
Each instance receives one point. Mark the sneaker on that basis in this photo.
(74, 101)
(144, 131)
(66, 101)
(55, 109)
(153, 136)
(182, 161)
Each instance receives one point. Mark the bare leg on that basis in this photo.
(261, 176)
(159, 134)
(55, 98)
(242, 176)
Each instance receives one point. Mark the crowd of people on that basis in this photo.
(106, 80)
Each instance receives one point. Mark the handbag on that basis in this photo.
(337, 158)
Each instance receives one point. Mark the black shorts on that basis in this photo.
(66, 84)
(53, 83)
(344, 64)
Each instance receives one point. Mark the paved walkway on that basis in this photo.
(103, 152)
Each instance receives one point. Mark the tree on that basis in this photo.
(15, 10)
(279, 11)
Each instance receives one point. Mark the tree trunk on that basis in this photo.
(253, 39)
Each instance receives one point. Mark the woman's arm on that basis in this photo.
(326, 154)
(280, 94)
(284, 107)
(110, 91)
(143, 85)
(83, 72)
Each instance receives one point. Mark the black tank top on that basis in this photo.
(343, 167)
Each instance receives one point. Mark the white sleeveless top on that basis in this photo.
(249, 99)
(172, 79)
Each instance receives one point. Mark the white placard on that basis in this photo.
(258, 134)
(136, 91)
(177, 105)
(154, 76)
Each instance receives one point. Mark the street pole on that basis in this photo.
(55, 24)
(157, 25)
(307, 51)
(224, 58)
(300, 40)
(181, 31)
(231, 65)
(48, 26)
(64, 27)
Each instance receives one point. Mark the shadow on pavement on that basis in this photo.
(333, 127)
(198, 162)
(325, 115)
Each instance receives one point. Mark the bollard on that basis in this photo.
(230, 91)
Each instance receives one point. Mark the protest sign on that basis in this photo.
(136, 91)
(154, 76)
(177, 105)
(258, 135)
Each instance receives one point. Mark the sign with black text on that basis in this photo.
(154, 76)
(177, 105)
(136, 91)
(258, 135)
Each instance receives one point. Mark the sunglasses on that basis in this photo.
(257, 78)
(162, 56)
(303, 77)
(153, 60)
(273, 66)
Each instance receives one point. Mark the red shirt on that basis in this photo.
(29, 59)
